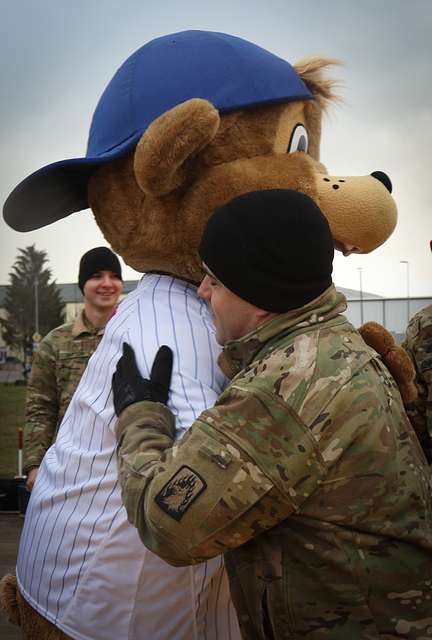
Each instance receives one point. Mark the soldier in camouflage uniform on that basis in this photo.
(306, 474)
(418, 344)
(63, 354)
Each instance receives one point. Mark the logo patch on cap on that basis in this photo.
(180, 492)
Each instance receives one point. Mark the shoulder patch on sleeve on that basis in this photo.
(180, 492)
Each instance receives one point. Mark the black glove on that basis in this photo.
(130, 387)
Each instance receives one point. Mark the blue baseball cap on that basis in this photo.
(230, 72)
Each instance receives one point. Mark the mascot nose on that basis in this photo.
(383, 178)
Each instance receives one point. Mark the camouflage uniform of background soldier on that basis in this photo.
(306, 474)
(63, 354)
(418, 343)
(57, 368)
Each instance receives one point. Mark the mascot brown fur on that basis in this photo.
(17, 611)
(152, 204)
(396, 358)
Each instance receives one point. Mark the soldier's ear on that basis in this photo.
(162, 155)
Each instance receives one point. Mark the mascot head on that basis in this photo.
(188, 122)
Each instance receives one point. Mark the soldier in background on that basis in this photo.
(418, 344)
(63, 354)
(307, 473)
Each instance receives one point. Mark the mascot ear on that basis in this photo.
(177, 136)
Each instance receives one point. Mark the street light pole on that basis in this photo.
(359, 269)
(407, 288)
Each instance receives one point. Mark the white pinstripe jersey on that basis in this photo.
(80, 563)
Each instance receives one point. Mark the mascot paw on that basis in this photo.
(8, 599)
(394, 357)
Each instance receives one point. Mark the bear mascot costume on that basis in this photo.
(188, 122)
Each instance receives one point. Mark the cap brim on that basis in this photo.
(56, 190)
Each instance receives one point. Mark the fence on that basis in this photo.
(392, 313)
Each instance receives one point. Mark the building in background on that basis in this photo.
(393, 313)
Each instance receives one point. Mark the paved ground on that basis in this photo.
(10, 529)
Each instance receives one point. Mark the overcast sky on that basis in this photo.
(58, 56)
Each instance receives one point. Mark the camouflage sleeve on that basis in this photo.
(41, 405)
(220, 485)
(418, 344)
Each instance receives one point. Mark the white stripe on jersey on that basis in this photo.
(81, 564)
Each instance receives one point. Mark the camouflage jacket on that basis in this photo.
(418, 344)
(57, 367)
(308, 476)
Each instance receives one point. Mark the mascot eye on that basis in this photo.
(299, 140)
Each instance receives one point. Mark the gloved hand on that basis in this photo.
(130, 387)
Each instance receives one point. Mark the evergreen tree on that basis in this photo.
(32, 302)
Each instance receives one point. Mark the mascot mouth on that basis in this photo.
(346, 249)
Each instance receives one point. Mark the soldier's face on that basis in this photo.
(233, 317)
(102, 290)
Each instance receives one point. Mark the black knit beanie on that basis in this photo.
(272, 248)
(98, 259)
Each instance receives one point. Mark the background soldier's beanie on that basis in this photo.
(272, 248)
(98, 259)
